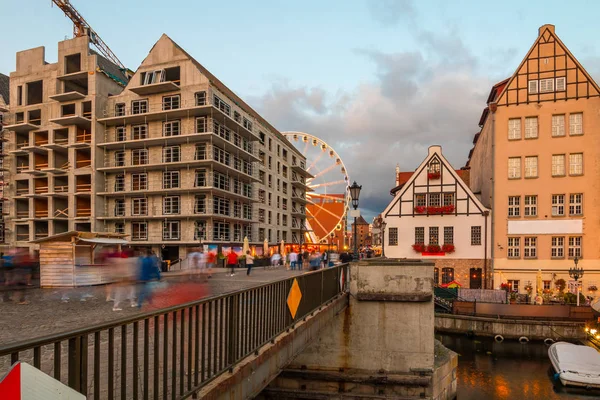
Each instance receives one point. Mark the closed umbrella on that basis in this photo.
(246, 245)
(266, 247)
(539, 284)
(282, 249)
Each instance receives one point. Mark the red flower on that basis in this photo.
(433, 175)
(448, 248)
(433, 248)
(420, 209)
(418, 247)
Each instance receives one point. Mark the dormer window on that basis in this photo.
(433, 170)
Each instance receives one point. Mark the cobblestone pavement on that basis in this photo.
(48, 313)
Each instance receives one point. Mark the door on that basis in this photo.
(170, 254)
(475, 278)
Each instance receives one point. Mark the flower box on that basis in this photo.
(419, 247)
(433, 248)
(433, 175)
(420, 209)
(448, 248)
(434, 210)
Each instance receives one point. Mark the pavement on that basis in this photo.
(51, 311)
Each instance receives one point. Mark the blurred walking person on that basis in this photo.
(232, 260)
(293, 260)
(149, 271)
(211, 260)
(249, 262)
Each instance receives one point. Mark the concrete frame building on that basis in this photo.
(435, 211)
(535, 164)
(4, 172)
(170, 157)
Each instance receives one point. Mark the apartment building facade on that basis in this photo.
(52, 134)
(435, 216)
(535, 164)
(4, 173)
(186, 161)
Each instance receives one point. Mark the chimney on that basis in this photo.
(397, 174)
(435, 149)
(550, 27)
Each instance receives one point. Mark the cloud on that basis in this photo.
(392, 12)
(414, 100)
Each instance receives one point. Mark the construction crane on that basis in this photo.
(82, 28)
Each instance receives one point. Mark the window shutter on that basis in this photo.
(533, 87)
(546, 85)
(560, 84)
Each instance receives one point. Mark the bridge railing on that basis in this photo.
(171, 353)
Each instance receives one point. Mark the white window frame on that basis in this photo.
(530, 206)
(172, 128)
(201, 125)
(119, 207)
(141, 233)
(172, 102)
(200, 98)
(119, 158)
(139, 206)
(532, 86)
(575, 164)
(558, 164)
(139, 106)
(120, 134)
(434, 199)
(514, 285)
(514, 206)
(558, 247)
(171, 154)
(221, 105)
(393, 237)
(558, 125)
(434, 235)
(531, 167)
(546, 85)
(531, 127)
(476, 235)
(575, 243)
(139, 132)
(514, 129)
(171, 230)
(120, 183)
(141, 155)
(142, 181)
(576, 124)
(558, 205)
(514, 168)
(513, 247)
(171, 179)
(200, 204)
(200, 178)
(576, 204)
(561, 84)
(171, 205)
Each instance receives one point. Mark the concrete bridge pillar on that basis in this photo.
(382, 345)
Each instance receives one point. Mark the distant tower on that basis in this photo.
(397, 174)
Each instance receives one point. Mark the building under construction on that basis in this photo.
(167, 155)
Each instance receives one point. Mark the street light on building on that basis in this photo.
(354, 194)
(576, 273)
(382, 227)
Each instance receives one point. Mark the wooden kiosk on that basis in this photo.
(67, 259)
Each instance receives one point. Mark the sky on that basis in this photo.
(378, 80)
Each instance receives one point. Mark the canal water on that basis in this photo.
(509, 370)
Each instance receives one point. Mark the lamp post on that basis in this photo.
(382, 227)
(576, 273)
(354, 194)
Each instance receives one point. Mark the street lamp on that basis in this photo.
(382, 227)
(354, 194)
(576, 273)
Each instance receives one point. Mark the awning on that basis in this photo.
(104, 240)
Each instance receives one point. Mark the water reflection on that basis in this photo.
(508, 370)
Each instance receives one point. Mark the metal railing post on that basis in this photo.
(74, 360)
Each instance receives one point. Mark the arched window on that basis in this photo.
(447, 275)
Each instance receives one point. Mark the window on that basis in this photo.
(393, 236)
(574, 246)
(119, 158)
(119, 183)
(514, 128)
(436, 276)
(119, 207)
(513, 285)
(171, 205)
(200, 204)
(514, 247)
(530, 206)
(476, 236)
(546, 85)
(530, 247)
(261, 215)
(576, 124)
(171, 154)
(221, 105)
(576, 164)
(170, 102)
(247, 124)
(434, 199)
(201, 98)
(531, 127)
(139, 181)
(448, 235)
(561, 84)
(170, 230)
(220, 155)
(120, 109)
(237, 117)
(419, 235)
(200, 153)
(220, 181)
(448, 199)
(200, 178)
(514, 206)
(139, 106)
(421, 200)
(575, 204)
(221, 231)
(171, 128)
(447, 275)
(199, 230)
(514, 168)
(558, 247)
(120, 134)
(533, 87)
(139, 132)
(558, 125)
(120, 228)
(170, 179)
(531, 167)
(139, 157)
(139, 231)
(434, 233)
(200, 125)
(140, 206)
(150, 77)
(547, 285)
(558, 165)
(220, 206)
(558, 205)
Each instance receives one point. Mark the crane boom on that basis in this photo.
(82, 28)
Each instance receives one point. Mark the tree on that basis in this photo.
(560, 285)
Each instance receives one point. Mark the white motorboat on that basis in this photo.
(576, 365)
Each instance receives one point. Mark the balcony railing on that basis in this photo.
(41, 213)
(23, 214)
(41, 189)
(83, 212)
(23, 237)
(61, 188)
(22, 191)
(83, 163)
(22, 168)
(83, 187)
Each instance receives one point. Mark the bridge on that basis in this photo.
(235, 345)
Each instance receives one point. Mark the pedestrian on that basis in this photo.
(149, 270)
(293, 260)
(306, 258)
(299, 260)
(324, 259)
(211, 260)
(232, 260)
(315, 261)
(193, 264)
(249, 262)
(275, 260)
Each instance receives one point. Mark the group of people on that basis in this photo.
(308, 260)
(132, 276)
(201, 264)
(16, 267)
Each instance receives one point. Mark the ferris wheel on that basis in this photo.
(328, 197)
